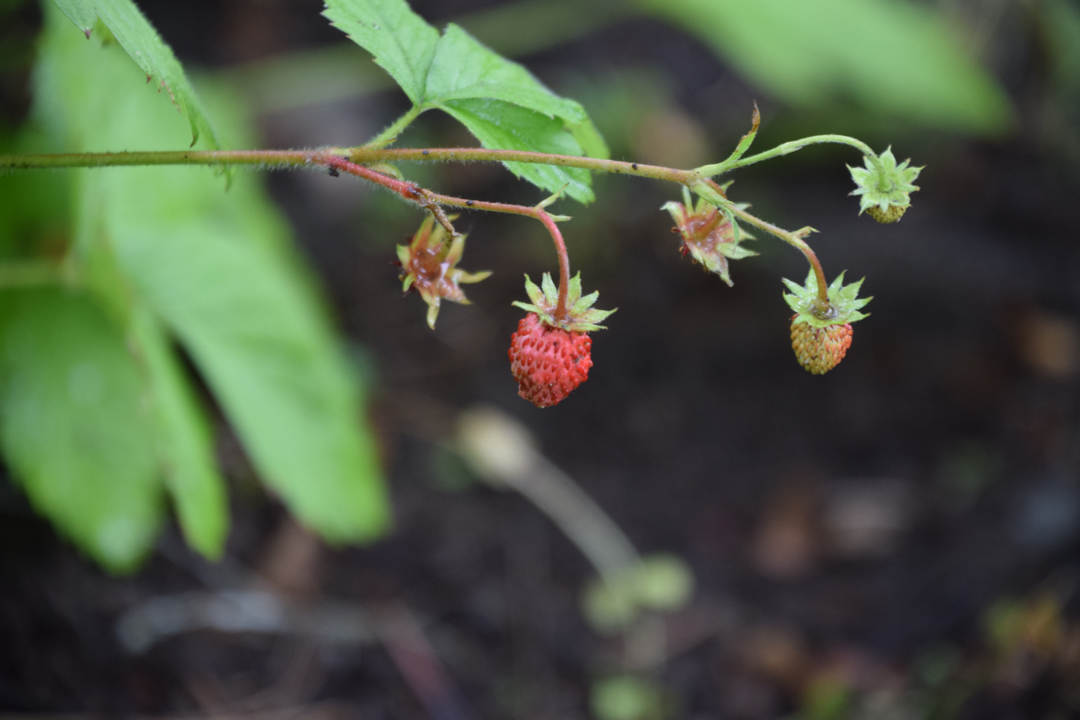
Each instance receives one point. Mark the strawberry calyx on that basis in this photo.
(885, 187)
(581, 316)
(708, 234)
(429, 264)
(842, 308)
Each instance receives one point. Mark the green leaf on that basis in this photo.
(142, 43)
(402, 43)
(184, 440)
(463, 69)
(498, 124)
(74, 427)
(80, 12)
(498, 100)
(892, 57)
(219, 272)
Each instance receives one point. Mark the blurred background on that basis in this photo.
(896, 539)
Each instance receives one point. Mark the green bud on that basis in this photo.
(884, 186)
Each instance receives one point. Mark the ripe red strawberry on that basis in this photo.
(548, 362)
(817, 349)
(550, 357)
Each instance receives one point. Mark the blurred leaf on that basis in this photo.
(627, 697)
(184, 441)
(402, 43)
(142, 43)
(1061, 28)
(502, 125)
(218, 269)
(891, 57)
(74, 426)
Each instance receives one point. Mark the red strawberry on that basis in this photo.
(548, 362)
(550, 357)
(819, 350)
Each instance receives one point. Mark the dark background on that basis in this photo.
(897, 538)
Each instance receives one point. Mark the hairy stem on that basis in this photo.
(434, 202)
(390, 134)
(564, 263)
(359, 155)
(353, 161)
(795, 239)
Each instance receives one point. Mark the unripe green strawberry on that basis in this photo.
(820, 328)
(890, 215)
(884, 187)
(818, 349)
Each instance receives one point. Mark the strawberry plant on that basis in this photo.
(115, 284)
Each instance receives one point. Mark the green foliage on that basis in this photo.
(896, 58)
(99, 416)
(499, 101)
(182, 438)
(74, 429)
(133, 31)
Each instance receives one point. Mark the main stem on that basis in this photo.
(353, 161)
(321, 158)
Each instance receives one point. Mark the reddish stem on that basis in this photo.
(564, 262)
(433, 203)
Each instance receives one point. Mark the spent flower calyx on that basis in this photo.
(429, 264)
(708, 235)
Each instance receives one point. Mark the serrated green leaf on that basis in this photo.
(402, 43)
(892, 57)
(500, 102)
(501, 125)
(153, 56)
(463, 69)
(184, 440)
(74, 427)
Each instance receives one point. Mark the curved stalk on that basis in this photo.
(795, 239)
(784, 149)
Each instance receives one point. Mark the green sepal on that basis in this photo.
(884, 184)
(581, 316)
(844, 302)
